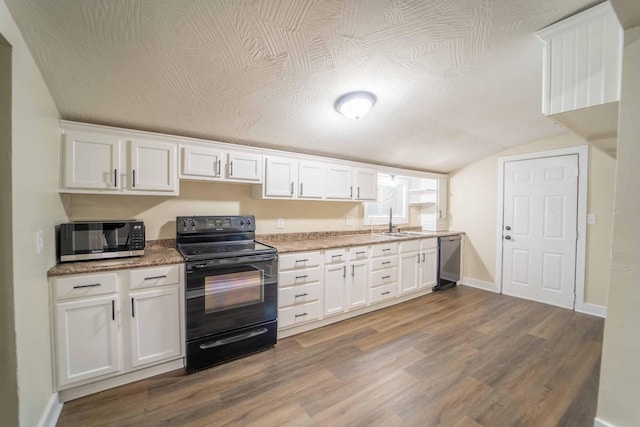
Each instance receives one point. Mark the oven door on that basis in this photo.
(231, 293)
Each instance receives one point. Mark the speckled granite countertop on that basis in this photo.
(159, 252)
(162, 252)
(315, 244)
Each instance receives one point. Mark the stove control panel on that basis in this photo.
(213, 224)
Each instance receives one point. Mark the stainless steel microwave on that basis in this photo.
(84, 240)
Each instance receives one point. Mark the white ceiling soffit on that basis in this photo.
(455, 80)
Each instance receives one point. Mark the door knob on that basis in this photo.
(507, 228)
(507, 237)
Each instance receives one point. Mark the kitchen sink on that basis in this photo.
(402, 234)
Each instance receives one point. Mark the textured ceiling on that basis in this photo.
(456, 80)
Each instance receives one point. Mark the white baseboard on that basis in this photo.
(597, 422)
(480, 284)
(52, 412)
(592, 309)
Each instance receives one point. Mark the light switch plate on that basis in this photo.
(39, 242)
(349, 220)
(280, 223)
(591, 218)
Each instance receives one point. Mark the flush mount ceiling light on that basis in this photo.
(355, 105)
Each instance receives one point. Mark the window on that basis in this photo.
(392, 194)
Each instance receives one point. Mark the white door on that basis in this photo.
(201, 162)
(244, 166)
(155, 325)
(409, 279)
(86, 339)
(153, 166)
(281, 176)
(311, 180)
(339, 182)
(540, 229)
(92, 161)
(358, 283)
(366, 184)
(335, 289)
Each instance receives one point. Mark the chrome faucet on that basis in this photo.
(390, 220)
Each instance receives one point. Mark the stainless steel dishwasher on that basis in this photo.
(448, 262)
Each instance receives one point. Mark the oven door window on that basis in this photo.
(233, 289)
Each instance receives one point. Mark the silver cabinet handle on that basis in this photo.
(386, 277)
(418, 256)
(301, 315)
(133, 172)
(507, 237)
(133, 308)
(231, 168)
(115, 177)
(386, 262)
(300, 189)
(344, 271)
(358, 196)
(422, 256)
(219, 167)
(507, 228)
(113, 309)
(93, 285)
(156, 277)
(336, 256)
(291, 188)
(353, 270)
(361, 252)
(386, 249)
(351, 192)
(301, 295)
(302, 277)
(302, 260)
(440, 214)
(385, 293)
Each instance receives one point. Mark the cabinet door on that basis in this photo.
(153, 166)
(428, 267)
(244, 166)
(92, 161)
(281, 177)
(201, 162)
(358, 283)
(335, 289)
(366, 184)
(311, 180)
(442, 198)
(86, 339)
(339, 182)
(409, 276)
(155, 325)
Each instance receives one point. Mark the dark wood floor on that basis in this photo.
(463, 358)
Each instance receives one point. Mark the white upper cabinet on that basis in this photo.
(366, 184)
(339, 182)
(153, 165)
(209, 162)
(582, 61)
(99, 160)
(91, 161)
(311, 180)
(244, 167)
(281, 177)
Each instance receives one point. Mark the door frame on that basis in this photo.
(582, 151)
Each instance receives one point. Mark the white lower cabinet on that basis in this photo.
(409, 259)
(428, 262)
(109, 324)
(299, 288)
(384, 272)
(335, 288)
(358, 277)
(155, 325)
(86, 335)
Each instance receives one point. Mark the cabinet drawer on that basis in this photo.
(358, 253)
(334, 256)
(298, 277)
(299, 294)
(384, 277)
(410, 246)
(429, 243)
(382, 293)
(156, 276)
(292, 316)
(85, 285)
(299, 260)
(384, 250)
(382, 263)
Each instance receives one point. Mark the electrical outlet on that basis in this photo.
(280, 223)
(591, 218)
(349, 220)
(39, 242)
